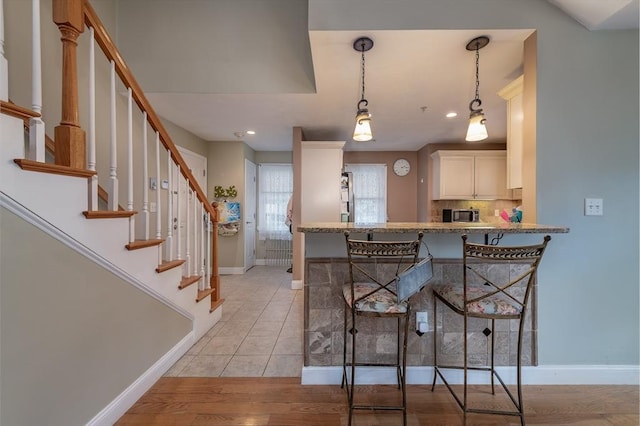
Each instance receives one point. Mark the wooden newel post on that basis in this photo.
(215, 277)
(69, 137)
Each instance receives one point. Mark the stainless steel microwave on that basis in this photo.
(460, 215)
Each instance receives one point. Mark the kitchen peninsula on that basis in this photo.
(432, 228)
(326, 271)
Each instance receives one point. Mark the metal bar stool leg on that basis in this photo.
(344, 353)
(353, 365)
(465, 362)
(404, 367)
(398, 347)
(519, 367)
(493, 345)
(435, 343)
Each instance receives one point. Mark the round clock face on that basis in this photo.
(401, 167)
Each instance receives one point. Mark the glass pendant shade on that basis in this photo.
(477, 131)
(362, 132)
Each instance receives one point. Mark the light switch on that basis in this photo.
(593, 207)
(422, 323)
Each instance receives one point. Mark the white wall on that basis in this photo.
(244, 46)
(587, 146)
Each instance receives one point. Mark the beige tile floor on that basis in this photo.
(260, 332)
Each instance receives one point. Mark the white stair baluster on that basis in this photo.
(91, 145)
(36, 125)
(179, 187)
(203, 282)
(187, 233)
(4, 65)
(145, 179)
(132, 220)
(113, 151)
(169, 243)
(158, 199)
(207, 281)
(195, 234)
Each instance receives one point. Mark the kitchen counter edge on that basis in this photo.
(432, 228)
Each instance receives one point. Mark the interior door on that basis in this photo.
(249, 214)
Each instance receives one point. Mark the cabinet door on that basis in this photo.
(512, 93)
(491, 177)
(456, 177)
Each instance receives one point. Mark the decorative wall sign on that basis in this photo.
(229, 218)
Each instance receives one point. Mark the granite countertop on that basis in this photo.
(432, 228)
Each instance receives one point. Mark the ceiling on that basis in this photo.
(413, 78)
(602, 14)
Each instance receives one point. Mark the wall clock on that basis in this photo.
(401, 167)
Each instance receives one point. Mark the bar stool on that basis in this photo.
(479, 296)
(383, 275)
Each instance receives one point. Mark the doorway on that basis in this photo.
(249, 215)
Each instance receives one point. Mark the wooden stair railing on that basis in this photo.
(10, 108)
(69, 146)
(24, 114)
(109, 49)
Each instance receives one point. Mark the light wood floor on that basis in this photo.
(283, 401)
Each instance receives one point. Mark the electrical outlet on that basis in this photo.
(422, 323)
(593, 207)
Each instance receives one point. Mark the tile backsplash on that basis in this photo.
(487, 208)
(324, 321)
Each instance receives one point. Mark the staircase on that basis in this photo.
(160, 242)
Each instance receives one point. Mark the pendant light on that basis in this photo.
(362, 132)
(477, 130)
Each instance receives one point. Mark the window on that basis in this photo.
(369, 192)
(275, 186)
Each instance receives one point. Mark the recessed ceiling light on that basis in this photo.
(243, 134)
(451, 114)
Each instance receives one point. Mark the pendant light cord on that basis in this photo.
(477, 72)
(363, 68)
(477, 100)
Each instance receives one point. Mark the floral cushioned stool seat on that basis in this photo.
(381, 301)
(498, 304)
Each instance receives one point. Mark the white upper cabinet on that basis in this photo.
(470, 175)
(512, 93)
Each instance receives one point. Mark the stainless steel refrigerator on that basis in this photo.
(346, 197)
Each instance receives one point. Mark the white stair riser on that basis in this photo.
(60, 200)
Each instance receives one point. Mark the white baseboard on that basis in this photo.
(116, 409)
(296, 284)
(540, 375)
